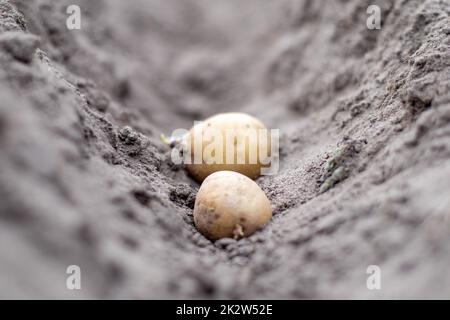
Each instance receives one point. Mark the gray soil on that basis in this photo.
(365, 147)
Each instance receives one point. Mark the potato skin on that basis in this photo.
(230, 205)
(222, 122)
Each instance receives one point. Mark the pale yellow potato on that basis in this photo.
(230, 205)
(240, 124)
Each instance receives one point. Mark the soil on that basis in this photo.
(364, 174)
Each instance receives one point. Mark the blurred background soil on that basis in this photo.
(365, 147)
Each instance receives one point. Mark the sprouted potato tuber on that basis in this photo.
(228, 141)
(230, 205)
